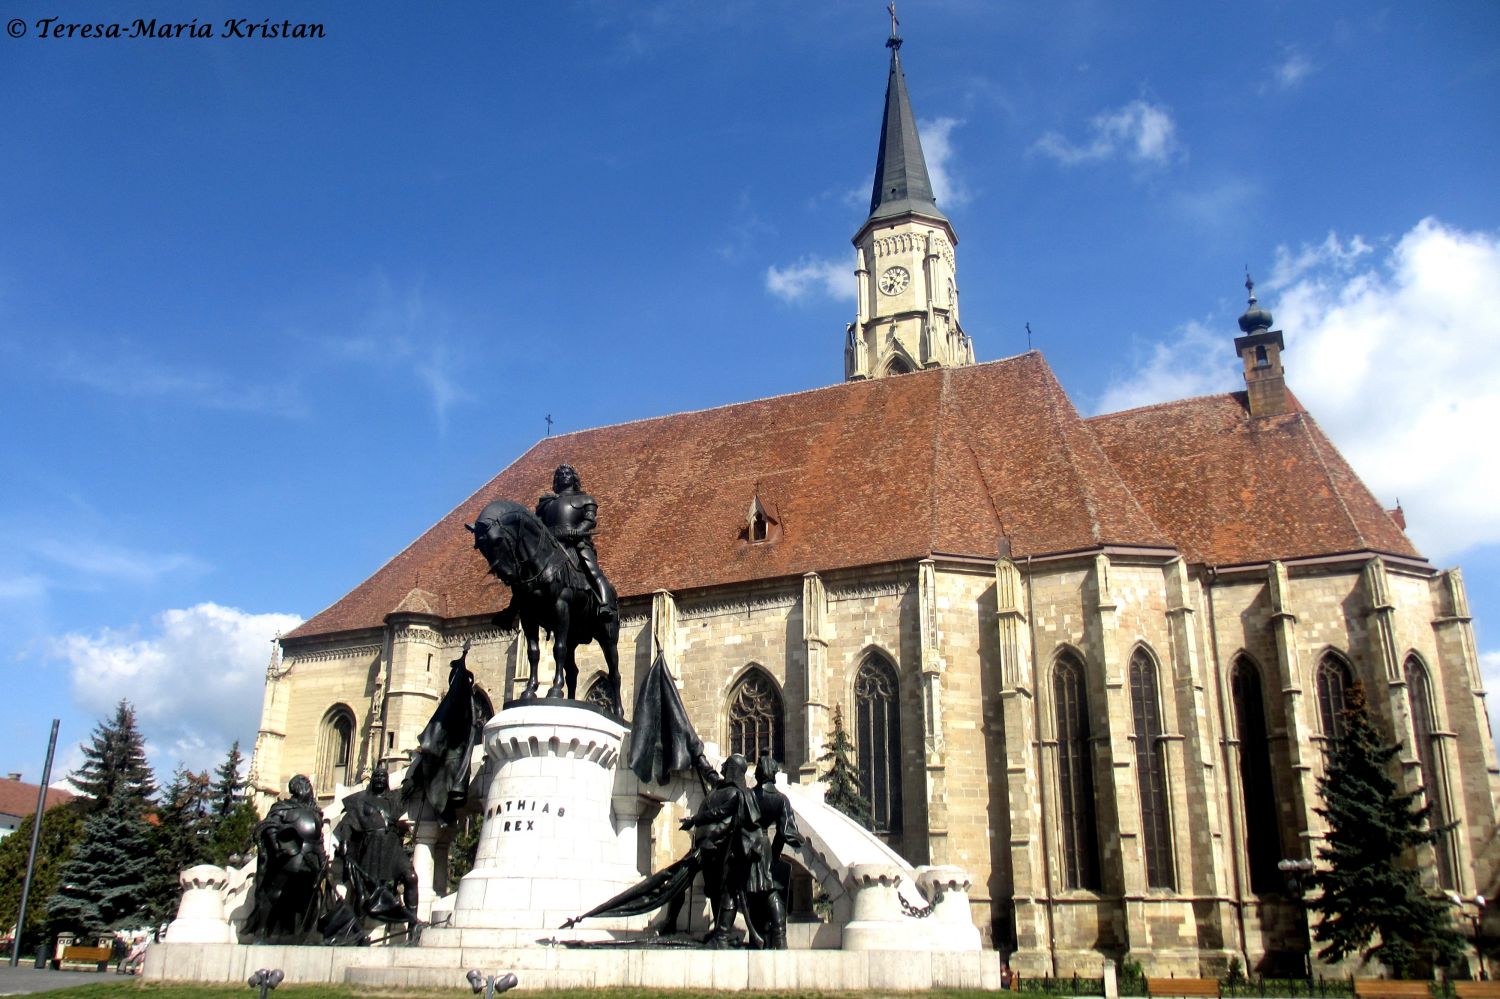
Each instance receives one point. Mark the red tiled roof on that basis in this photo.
(1231, 490)
(855, 474)
(19, 798)
(956, 461)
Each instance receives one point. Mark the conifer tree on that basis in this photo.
(1370, 889)
(229, 790)
(115, 762)
(62, 829)
(842, 775)
(182, 837)
(234, 835)
(104, 885)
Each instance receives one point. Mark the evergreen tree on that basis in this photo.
(1370, 889)
(104, 884)
(842, 775)
(229, 790)
(182, 838)
(234, 835)
(62, 829)
(115, 762)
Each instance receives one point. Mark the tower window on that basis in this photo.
(1261, 361)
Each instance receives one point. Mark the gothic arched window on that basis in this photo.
(1151, 771)
(335, 749)
(1334, 681)
(755, 716)
(878, 740)
(598, 694)
(1075, 776)
(1262, 834)
(1419, 693)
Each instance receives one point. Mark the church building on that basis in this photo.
(1095, 662)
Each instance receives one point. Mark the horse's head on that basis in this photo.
(495, 539)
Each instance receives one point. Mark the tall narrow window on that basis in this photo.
(878, 740)
(755, 717)
(335, 750)
(1262, 834)
(1334, 681)
(1151, 771)
(1075, 776)
(1419, 692)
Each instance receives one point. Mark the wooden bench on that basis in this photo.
(1392, 988)
(97, 956)
(1477, 990)
(1183, 987)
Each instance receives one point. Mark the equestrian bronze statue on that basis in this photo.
(548, 561)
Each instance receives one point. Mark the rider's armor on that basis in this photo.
(571, 515)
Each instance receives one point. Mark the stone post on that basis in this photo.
(200, 914)
(875, 919)
(947, 891)
(425, 837)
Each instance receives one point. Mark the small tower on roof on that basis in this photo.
(904, 268)
(1260, 349)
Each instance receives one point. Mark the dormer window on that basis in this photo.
(760, 526)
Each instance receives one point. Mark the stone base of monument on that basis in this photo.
(554, 843)
(564, 968)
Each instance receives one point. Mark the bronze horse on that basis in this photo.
(547, 591)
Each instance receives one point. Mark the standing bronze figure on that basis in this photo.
(374, 857)
(289, 866)
(439, 770)
(555, 581)
(766, 889)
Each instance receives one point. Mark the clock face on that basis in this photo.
(894, 280)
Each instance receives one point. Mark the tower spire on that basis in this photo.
(902, 185)
(906, 284)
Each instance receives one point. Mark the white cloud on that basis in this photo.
(1140, 131)
(97, 560)
(1294, 67)
(1393, 352)
(195, 680)
(808, 276)
(121, 370)
(939, 152)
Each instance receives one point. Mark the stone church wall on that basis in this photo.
(974, 647)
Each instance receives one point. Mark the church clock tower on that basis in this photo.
(904, 270)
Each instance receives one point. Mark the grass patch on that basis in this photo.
(156, 990)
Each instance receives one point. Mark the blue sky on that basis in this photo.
(269, 308)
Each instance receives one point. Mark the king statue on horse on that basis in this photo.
(548, 561)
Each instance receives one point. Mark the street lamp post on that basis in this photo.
(1472, 909)
(1296, 870)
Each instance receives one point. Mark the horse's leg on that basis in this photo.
(609, 640)
(533, 654)
(559, 648)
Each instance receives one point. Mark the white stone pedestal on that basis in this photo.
(200, 914)
(550, 848)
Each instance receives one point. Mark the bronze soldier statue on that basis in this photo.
(290, 864)
(572, 515)
(374, 857)
(767, 895)
(733, 851)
